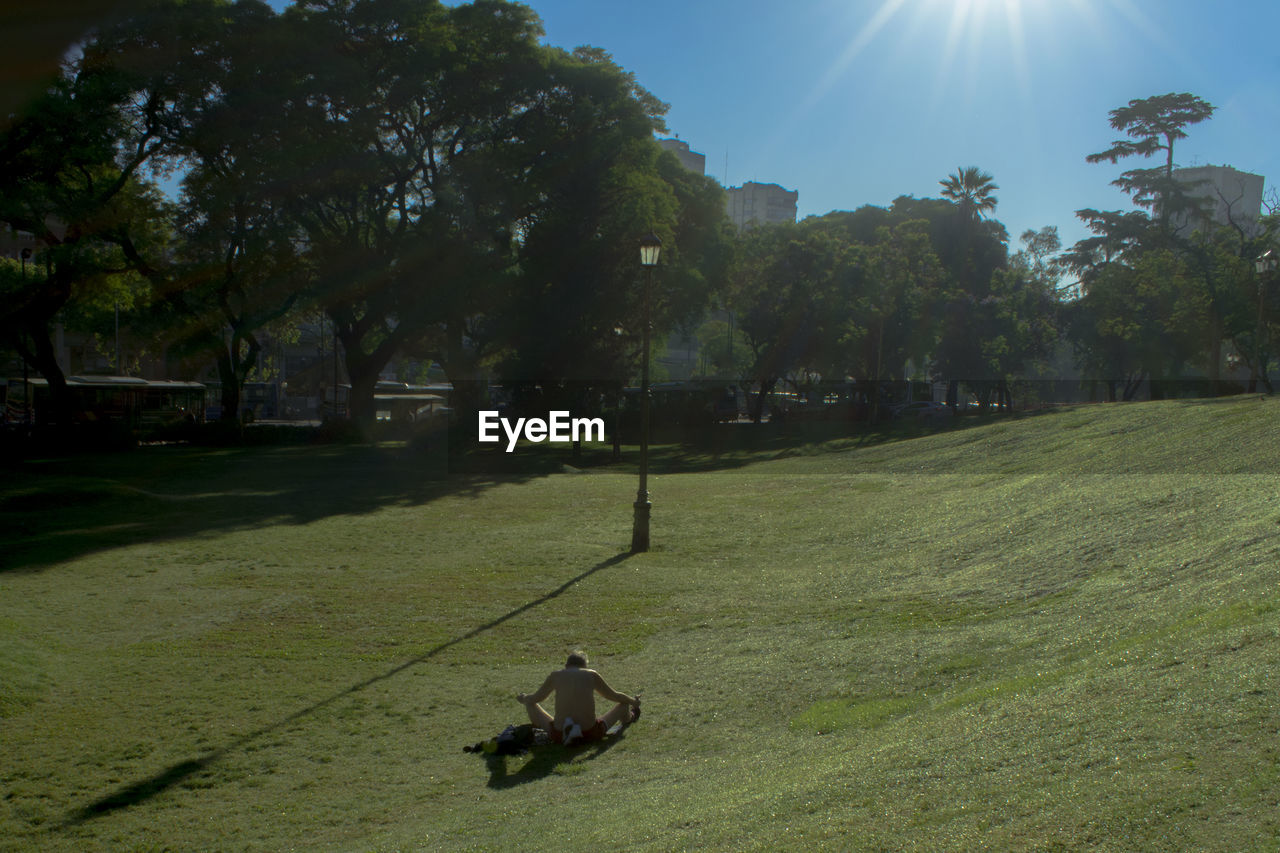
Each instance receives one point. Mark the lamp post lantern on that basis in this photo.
(650, 247)
(1262, 266)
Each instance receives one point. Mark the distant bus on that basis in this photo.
(140, 404)
(258, 401)
(402, 402)
(689, 402)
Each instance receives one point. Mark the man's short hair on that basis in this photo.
(577, 658)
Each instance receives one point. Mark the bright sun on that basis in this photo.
(970, 28)
(970, 46)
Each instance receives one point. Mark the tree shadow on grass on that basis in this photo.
(543, 761)
(721, 447)
(58, 509)
(145, 789)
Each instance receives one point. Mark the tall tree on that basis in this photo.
(973, 190)
(1140, 320)
(73, 170)
(1024, 312)
(1153, 125)
(397, 114)
(580, 250)
(1237, 295)
(789, 293)
(979, 251)
(236, 265)
(896, 302)
(431, 141)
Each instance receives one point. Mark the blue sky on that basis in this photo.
(855, 102)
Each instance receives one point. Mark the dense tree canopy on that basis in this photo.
(438, 183)
(431, 177)
(1153, 125)
(1164, 288)
(72, 176)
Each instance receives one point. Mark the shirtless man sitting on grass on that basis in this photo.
(575, 687)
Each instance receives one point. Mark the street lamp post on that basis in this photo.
(650, 247)
(1262, 266)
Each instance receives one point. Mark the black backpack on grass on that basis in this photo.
(514, 740)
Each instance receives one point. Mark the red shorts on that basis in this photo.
(594, 733)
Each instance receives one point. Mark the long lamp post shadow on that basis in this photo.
(650, 247)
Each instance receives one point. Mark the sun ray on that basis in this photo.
(888, 9)
(832, 75)
(1018, 47)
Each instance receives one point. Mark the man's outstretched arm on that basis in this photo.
(543, 692)
(603, 688)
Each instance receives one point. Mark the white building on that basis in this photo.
(1230, 197)
(760, 204)
(691, 160)
(14, 243)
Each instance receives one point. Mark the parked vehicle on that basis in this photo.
(139, 405)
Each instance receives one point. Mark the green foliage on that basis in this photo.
(1153, 299)
(973, 190)
(926, 282)
(580, 248)
(792, 294)
(1140, 320)
(414, 170)
(1153, 125)
(725, 350)
(75, 169)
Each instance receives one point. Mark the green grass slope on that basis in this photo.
(1047, 633)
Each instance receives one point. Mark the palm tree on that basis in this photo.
(972, 189)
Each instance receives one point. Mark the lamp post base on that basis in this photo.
(640, 528)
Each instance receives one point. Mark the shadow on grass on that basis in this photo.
(145, 789)
(700, 448)
(55, 510)
(543, 761)
(728, 446)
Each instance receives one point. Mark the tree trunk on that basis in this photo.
(757, 405)
(1215, 356)
(1158, 387)
(617, 424)
(470, 391)
(230, 395)
(362, 368)
(44, 358)
(1132, 385)
(361, 408)
(30, 317)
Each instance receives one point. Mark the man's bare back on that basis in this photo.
(575, 687)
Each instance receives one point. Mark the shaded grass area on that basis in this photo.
(1056, 632)
(57, 508)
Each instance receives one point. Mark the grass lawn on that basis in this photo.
(1056, 632)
